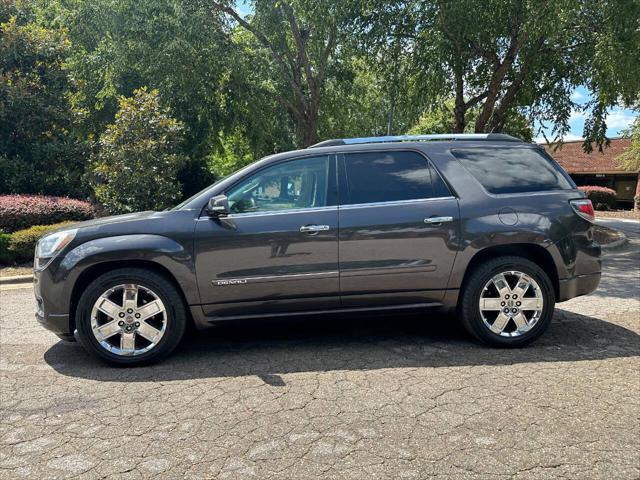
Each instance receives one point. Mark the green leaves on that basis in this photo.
(38, 151)
(505, 57)
(137, 158)
(287, 74)
(630, 159)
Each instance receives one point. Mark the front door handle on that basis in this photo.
(437, 220)
(313, 229)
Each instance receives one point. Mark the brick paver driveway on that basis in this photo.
(383, 397)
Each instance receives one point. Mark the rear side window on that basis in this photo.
(513, 170)
(373, 177)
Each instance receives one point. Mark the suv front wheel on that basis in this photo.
(507, 302)
(130, 317)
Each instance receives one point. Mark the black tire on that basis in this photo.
(176, 315)
(469, 305)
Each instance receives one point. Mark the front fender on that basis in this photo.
(59, 280)
(158, 249)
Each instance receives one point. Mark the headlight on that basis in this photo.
(51, 245)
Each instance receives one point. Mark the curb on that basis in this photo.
(617, 245)
(17, 279)
(618, 219)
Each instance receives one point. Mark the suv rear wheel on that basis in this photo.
(130, 317)
(507, 302)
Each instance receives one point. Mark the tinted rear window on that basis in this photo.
(513, 170)
(391, 176)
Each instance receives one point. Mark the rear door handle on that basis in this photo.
(312, 229)
(438, 220)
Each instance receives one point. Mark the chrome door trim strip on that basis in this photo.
(394, 203)
(291, 276)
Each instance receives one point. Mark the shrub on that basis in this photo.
(5, 257)
(22, 243)
(603, 198)
(22, 211)
(137, 158)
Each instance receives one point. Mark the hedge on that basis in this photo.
(22, 244)
(5, 238)
(22, 211)
(603, 198)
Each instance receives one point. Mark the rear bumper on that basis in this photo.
(578, 285)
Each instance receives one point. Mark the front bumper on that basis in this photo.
(47, 312)
(578, 285)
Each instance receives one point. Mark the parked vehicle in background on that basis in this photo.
(481, 223)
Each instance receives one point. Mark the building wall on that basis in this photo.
(598, 168)
(624, 184)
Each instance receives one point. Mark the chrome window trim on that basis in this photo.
(282, 212)
(351, 206)
(392, 203)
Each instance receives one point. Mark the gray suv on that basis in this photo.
(485, 225)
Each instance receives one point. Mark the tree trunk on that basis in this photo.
(460, 108)
(307, 131)
(459, 114)
(636, 198)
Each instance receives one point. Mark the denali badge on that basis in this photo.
(230, 282)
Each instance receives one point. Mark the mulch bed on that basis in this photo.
(618, 214)
(605, 235)
(23, 269)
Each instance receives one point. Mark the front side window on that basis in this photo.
(291, 185)
(512, 170)
(374, 177)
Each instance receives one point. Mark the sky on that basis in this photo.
(617, 120)
(244, 7)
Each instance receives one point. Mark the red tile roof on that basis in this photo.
(574, 160)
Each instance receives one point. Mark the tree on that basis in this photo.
(38, 151)
(300, 38)
(253, 117)
(441, 120)
(630, 158)
(177, 47)
(505, 56)
(233, 154)
(137, 158)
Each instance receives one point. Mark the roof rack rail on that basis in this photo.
(418, 138)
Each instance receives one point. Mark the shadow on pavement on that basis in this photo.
(621, 274)
(269, 348)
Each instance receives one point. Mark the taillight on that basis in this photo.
(584, 208)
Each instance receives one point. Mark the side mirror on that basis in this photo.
(218, 206)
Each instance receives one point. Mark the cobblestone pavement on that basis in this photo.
(370, 397)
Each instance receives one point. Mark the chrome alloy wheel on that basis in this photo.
(511, 304)
(128, 320)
